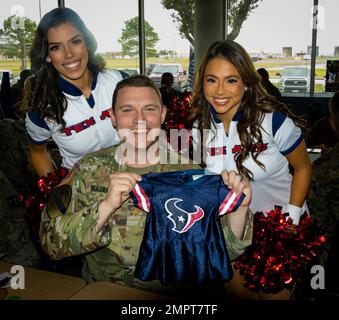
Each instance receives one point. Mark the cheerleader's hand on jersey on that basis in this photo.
(120, 185)
(238, 184)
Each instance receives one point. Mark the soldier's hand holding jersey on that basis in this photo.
(120, 185)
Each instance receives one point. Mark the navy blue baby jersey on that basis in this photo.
(183, 240)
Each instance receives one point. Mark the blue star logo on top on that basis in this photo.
(182, 220)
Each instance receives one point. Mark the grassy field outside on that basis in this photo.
(14, 65)
(273, 65)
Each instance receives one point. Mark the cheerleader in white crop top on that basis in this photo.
(249, 131)
(240, 127)
(70, 94)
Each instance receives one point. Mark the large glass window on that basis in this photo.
(277, 34)
(171, 50)
(32, 9)
(327, 47)
(14, 56)
(106, 20)
(115, 26)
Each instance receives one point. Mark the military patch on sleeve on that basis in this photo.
(58, 201)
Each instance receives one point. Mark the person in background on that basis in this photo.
(18, 93)
(1, 111)
(166, 89)
(251, 132)
(16, 245)
(70, 94)
(5, 97)
(101, 221)
(324, 196)
(17, 90)
(322, 133)
(268, 85)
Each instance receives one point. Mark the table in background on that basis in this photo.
(44, 285)
(102, 290)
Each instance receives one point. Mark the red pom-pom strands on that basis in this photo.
(36, 202)
(281, 253)
(179, 111)
(45, 186)
(177, 119)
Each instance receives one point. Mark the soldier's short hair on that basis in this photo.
(137, 81)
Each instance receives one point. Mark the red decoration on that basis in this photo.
(35, 203)
(279, 255)
(178, 117)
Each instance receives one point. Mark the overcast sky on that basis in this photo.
(273, 25)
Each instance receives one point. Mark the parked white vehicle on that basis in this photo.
(179, 75)
(295, 80)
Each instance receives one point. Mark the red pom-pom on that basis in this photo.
(178, 118)
(35, 203)
(279, 257)
(45, 186)
(179, 111)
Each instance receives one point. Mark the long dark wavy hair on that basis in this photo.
(45, 97)
(255, 103)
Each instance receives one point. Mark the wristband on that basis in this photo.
(294, 212)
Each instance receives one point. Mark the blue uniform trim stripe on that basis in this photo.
(94, 81)
(68, 87)
(277, 121)
(240, 200)
(134, 199)
(34, 141)
(295, 144)
(124, 74)
(91, 101)
(71, 89)
(214, 115)
(215, 118)
(34, 117)
(237, 115)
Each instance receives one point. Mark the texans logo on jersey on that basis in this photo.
(182, 220)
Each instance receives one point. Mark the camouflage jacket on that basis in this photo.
(324, 194)
(111, 254)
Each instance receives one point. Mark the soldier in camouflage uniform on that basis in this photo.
(324, 194)
(100, 186)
